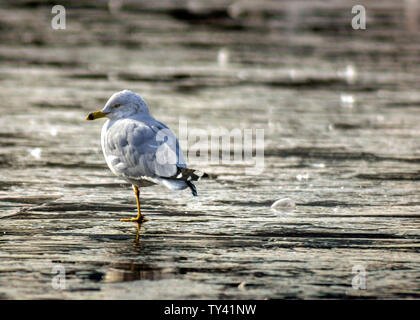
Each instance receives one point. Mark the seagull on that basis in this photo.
(140, 149)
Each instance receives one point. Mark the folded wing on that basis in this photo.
(140, 149)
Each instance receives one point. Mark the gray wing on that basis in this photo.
(137, 149)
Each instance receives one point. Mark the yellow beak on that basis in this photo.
(96, 115)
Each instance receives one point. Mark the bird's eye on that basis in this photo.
(117, 105)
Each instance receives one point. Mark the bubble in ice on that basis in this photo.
(242, 285)
(303, 176)
(349, 74)
(347, 100)
(292, 74)
(223, 57)
(318, 165)
(53, 132)
(36, 153)
(283, 204)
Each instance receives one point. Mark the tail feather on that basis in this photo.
(187, 175)
(192, 187)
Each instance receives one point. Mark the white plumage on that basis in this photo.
(138, 148)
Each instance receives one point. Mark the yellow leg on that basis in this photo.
(139, 218)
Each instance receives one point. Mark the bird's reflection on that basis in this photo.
(139, 225)
(137, 241)
(130, 271)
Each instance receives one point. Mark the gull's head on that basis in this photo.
(121, 105)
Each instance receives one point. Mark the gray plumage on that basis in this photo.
(140, 149)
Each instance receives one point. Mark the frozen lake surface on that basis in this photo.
(340, 109)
